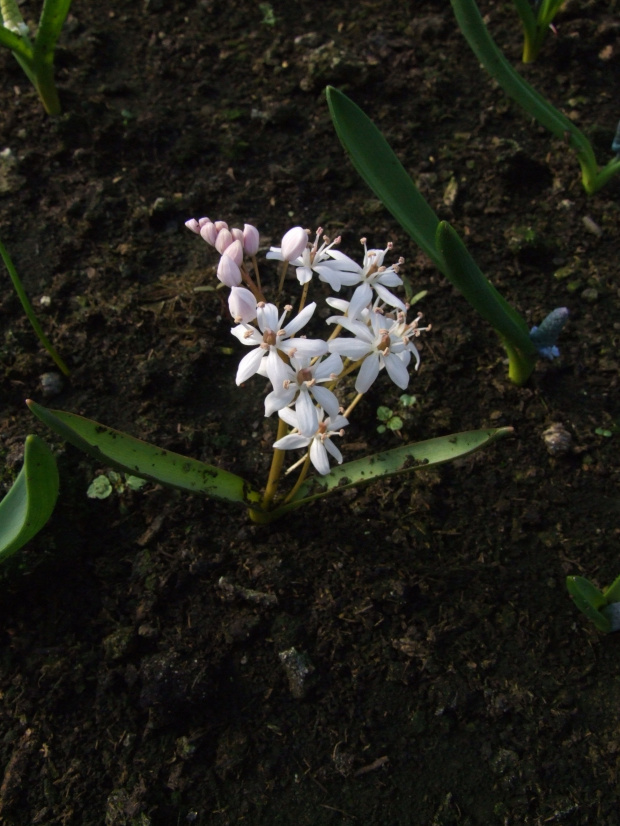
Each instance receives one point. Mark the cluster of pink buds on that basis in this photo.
(232, 245)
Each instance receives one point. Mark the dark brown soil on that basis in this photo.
(452, 680)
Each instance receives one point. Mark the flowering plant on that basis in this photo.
(36, 57)
(370, 333)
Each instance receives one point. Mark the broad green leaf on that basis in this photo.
(377, 164)
(130, 455)
(30, 501)
(589, 600)
(392, 463)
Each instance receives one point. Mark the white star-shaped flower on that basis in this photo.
(380, 342)
(300, 382)
(321, 445)
(271, 336)
(330, 264)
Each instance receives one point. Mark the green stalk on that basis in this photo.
(21, 294)
(476, 33)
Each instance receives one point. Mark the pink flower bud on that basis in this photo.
(221, 225)
(237, 234)
(294, 243)
(193, 225)
(228, 272)
(235, 251)
(242, 305)
(223, 240)
(250, 239)
(208, 232)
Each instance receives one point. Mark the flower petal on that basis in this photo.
(326, 399)
(352, 348)
(318, 457)
(397, 371)
(368, 373)
(361, 299)
(307, 419)
(300, 320)
(292, 442)
(249, 364)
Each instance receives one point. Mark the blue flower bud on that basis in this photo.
(546, 336)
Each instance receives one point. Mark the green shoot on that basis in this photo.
(36, 57)
(536, 22)
(21, 294)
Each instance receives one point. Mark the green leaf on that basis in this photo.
(30, 501)
(130, 455)
(53, 16)
(612, 594)
(99, 488)
(464, 273)
(377, 164)
(461, 269)
(15, 43)
(392, 463)
(589, 599)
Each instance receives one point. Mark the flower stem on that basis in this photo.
(350, 408)
(301, 479)
(256, 273)
(275, 471)
(304, 295)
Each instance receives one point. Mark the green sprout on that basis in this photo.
(379, 167)
(105, 484)
(536, 22)
(36, 57)
(391, 420)
(21, 294)
(482, 44)
(602, 607)
(269, 17)
(30, 501)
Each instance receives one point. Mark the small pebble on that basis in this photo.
(51, 384)
(557, 439)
